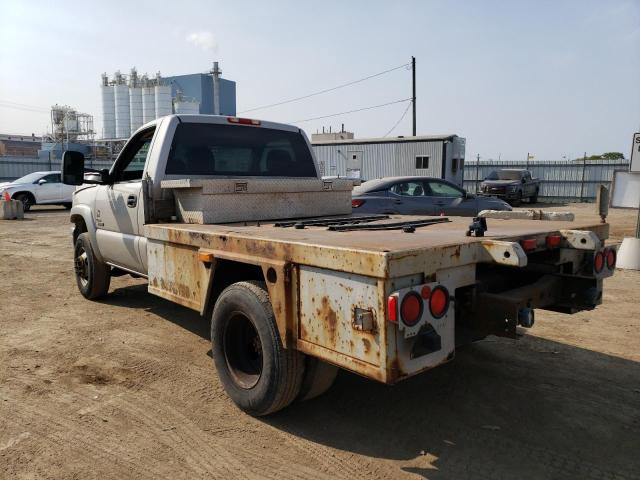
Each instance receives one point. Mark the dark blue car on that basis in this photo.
(420, 196)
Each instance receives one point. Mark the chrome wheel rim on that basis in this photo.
(81, 266)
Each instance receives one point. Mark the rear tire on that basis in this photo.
(257, 372)
(534, 198)
(318, 378)
(26, 199)
(67, 205)
(92, 276)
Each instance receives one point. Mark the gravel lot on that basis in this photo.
(125, 388)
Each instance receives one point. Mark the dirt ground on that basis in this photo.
(125, 388)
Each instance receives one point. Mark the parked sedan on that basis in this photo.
(420, 196)
(39, 188)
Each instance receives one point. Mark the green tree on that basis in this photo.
(613, 156)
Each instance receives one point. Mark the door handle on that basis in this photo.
(132, 201)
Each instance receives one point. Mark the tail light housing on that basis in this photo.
(529, 244)
(598, 262)
(411, 309)
(439, 302)
(610, 258)
(553, 241)
(356, 202)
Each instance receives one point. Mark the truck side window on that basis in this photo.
(130, 164)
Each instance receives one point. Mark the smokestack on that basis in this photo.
(342, 131)
(216, 72)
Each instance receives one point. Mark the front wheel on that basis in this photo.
(517, 201)
(26, 199)
(92, 276)
(257, 372)
(534, 198)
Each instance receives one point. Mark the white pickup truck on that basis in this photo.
(291, 300)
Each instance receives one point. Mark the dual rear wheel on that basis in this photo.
(258, 373)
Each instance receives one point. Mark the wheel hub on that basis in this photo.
(81, 267)
(243, 351)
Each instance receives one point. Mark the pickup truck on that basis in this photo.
(512, 185)
(290, 301)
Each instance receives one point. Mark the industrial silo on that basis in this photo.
(148, 101)
(135, 101)
(123, 115)
(163, 100)
(108, 108)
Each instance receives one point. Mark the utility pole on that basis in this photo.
(413, 96)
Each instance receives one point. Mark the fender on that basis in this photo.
(84, 212)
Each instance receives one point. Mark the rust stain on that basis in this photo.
(326, 313)
(456, 252)
(367, 345)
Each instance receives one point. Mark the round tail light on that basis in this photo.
(598, 262)
(611, 258)
(439, 302)
(411, 309)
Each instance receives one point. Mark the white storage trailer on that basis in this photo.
(440, 156)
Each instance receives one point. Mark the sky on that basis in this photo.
(551, 78)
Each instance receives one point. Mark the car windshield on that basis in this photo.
(504, 175)
(228, 150)
(32, 177)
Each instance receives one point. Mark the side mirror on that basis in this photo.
(72, 168)
(42, 181)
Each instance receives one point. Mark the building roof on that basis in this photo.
(409, 139)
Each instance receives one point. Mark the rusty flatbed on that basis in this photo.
(378, 253)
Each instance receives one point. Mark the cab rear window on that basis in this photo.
(231, 150)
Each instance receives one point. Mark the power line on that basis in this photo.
(352, 111)
(398, 122)
(22, 106)
(326, 90)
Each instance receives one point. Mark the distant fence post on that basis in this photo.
(477, 171)
(584, 166)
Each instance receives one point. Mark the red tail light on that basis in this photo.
(553, 241)
(355, 203)
(439, 302)
(425, 292)
(610, 256)
(529, 244)
(598, 262)
(392, 308)
(411, 309)
(243, 121)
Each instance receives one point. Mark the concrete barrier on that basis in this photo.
(11, 210)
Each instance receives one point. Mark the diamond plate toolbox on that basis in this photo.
(213, 200)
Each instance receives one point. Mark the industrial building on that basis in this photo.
(128, 102)
(440, 156)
